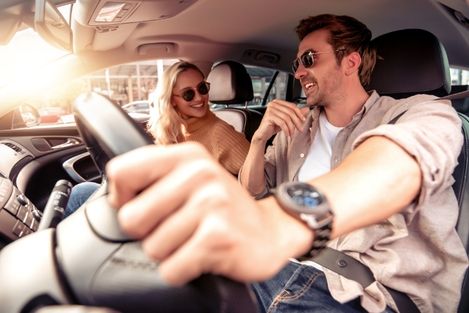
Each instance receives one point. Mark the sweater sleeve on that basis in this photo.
(231, 147)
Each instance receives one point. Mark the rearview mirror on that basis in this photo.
(52, 26)
(29, 115)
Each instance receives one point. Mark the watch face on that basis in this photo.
(306, 202)
(303, 198)
(307, 197)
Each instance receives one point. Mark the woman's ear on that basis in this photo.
(352, 63)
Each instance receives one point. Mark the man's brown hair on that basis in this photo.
(347, 35)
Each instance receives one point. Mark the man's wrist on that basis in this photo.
(310, 206)
(294, 237)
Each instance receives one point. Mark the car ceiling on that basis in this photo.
(256, 32)
(259, 32)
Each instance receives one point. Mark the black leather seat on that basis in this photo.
(414, 61)
(230, 84)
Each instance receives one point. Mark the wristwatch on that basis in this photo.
(311, 206)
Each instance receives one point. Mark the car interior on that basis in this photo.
(419, 44)
(401, 58)
(231, 84)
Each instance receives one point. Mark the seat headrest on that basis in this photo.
(230, 83)
(409, 62)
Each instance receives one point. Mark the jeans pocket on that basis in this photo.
(299, 283)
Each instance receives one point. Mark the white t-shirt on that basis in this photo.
(318, 160)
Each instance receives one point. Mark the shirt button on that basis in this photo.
(302, 155)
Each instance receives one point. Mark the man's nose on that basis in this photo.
(300, 72)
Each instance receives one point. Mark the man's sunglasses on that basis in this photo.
(308, 58)
(189, 93)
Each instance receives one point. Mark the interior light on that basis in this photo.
(109, 11)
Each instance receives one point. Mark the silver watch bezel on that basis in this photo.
(315, 217)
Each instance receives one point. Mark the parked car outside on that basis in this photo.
(141, 106)
(50, 115)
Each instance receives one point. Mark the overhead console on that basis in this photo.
(112, 12)
(93, 20)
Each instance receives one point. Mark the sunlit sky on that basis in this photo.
(23, 54)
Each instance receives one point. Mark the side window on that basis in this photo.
(132, 86)
(267, 84)
(129, 85)
(459, 76)
(279, 87)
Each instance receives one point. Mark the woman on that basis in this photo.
(181, 113)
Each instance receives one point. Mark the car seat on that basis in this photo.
(413, 61)
(230, 84)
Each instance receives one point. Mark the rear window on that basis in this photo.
(459, 76)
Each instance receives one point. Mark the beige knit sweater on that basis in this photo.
(226, 145)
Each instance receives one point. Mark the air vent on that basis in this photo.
(13, 146)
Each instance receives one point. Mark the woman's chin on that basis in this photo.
(201, 112)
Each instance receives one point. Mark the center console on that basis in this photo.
(18, 216)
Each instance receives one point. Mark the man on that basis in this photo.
(335, 61)
(387, 184)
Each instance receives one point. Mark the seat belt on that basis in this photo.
(457, 95)
(350, 268)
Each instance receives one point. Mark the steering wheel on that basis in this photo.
(106, 129)
(88, 260)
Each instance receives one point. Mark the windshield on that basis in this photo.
(24, 54)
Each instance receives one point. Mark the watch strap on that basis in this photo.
(322, 228)
(322, 235)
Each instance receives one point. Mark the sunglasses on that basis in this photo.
(308, 59)
(189, 93)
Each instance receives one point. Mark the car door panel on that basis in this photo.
(40, 156)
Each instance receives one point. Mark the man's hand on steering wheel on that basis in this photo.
(196, 218)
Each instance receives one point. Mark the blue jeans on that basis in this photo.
(80, 193)
(300, 288)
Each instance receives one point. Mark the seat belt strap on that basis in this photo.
(353, 269)
(394, 120)
(456, 96)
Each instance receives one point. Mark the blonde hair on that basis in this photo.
(165, 123)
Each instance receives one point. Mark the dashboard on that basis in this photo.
(11, 153)
(18, 215)
(29, 168)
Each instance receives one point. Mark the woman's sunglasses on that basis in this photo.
(189, 93)
(308, 59)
